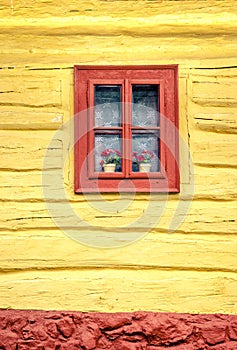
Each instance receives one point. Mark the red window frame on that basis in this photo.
(86, 180)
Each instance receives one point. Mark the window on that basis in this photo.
(127, 116)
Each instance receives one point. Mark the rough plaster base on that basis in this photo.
(46, 330)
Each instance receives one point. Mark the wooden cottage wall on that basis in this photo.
(192, 270)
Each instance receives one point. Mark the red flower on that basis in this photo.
(104, 153)
(151, 154)
(107, 152)
(117, 152)
(140, 159)
(112, 156)
(144, 157)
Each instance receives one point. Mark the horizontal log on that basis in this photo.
(22, 186)
(215, 183)
(215, 91)
(122, 217)
(217, 122)
(120, 290)
(54, 250)
(20, 90)
(30, 120)
(66, 61)
(119, 7)
(27, 186)
(152, 49)
(209, 17)
(215, 73)
(110, 26)
(26, 151)
(213, 149)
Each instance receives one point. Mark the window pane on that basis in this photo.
(108, 149)
(145, 105)
(145, 147)
(107, 105)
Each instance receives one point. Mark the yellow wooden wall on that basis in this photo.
(190, 270)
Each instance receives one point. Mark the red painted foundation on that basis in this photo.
(46, 330)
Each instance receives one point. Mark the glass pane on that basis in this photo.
(107, 105)
(145, 147)
(145, 105)
(108, 150)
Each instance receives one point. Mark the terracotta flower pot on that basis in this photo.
(144, 167)
(109, 168)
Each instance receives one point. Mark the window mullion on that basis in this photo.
(127, 128)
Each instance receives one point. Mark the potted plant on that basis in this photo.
(111, 160)
(144, 160)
